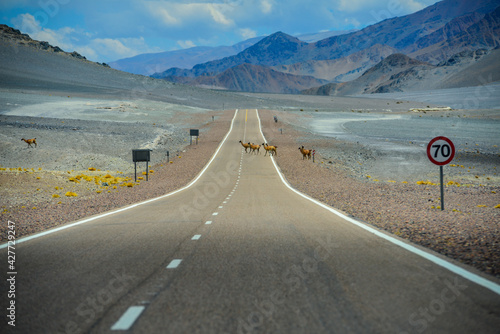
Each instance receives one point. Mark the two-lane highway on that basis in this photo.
(239, 252)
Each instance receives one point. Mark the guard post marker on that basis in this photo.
(441, 151)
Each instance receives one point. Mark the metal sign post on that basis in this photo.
(141, 155)
(441, 151)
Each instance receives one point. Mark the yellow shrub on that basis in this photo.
(71, 194)
(451, 183)
(92, 169)
(55, 196)
(429, 183)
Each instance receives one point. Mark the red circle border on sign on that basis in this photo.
(429, 155)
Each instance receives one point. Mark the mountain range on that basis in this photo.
(283, 63)
(150, 63)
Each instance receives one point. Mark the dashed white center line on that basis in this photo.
(196, 237)
(215, 214)
(220, 207)
(174, 264)
(128, 318)
(208, 222)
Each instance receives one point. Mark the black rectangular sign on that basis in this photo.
(141, 155)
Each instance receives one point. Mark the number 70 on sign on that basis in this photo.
(440, 151)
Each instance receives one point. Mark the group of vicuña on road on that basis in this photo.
(254, 148)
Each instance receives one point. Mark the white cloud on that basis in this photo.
(186, 44)
(111, 46)
(70, 39)
(352, 22)
(413, 6)
(351, 6)
(266, 6)
(247, 33)
(217, 15)
(395, 7)
(166, 17)
(179, 14)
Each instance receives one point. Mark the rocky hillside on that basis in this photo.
(399, 73)
(254, 78)
(16, 37)
(372, 78)
(342, 69)
(465, 33)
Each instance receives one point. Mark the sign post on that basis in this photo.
(141, 155)
(441, 151)
(194, 133)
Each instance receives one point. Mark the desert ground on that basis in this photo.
(364, 164)
(369, 160)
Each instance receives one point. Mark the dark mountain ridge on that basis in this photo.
(433, 35)
(255, 79)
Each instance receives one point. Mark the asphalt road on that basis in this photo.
(235, 252)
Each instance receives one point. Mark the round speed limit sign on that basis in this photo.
(440, 151)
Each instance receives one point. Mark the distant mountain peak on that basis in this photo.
(278, 42)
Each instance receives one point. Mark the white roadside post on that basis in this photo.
(441, 151)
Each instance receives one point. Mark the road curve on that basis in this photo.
(237, 251)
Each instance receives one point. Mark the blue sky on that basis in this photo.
(108, 30)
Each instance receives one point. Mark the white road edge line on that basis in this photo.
(128, 318)
(437, 260)
(41, 234)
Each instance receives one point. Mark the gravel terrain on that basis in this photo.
(35, 197)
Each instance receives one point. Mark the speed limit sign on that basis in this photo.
(440, 151)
